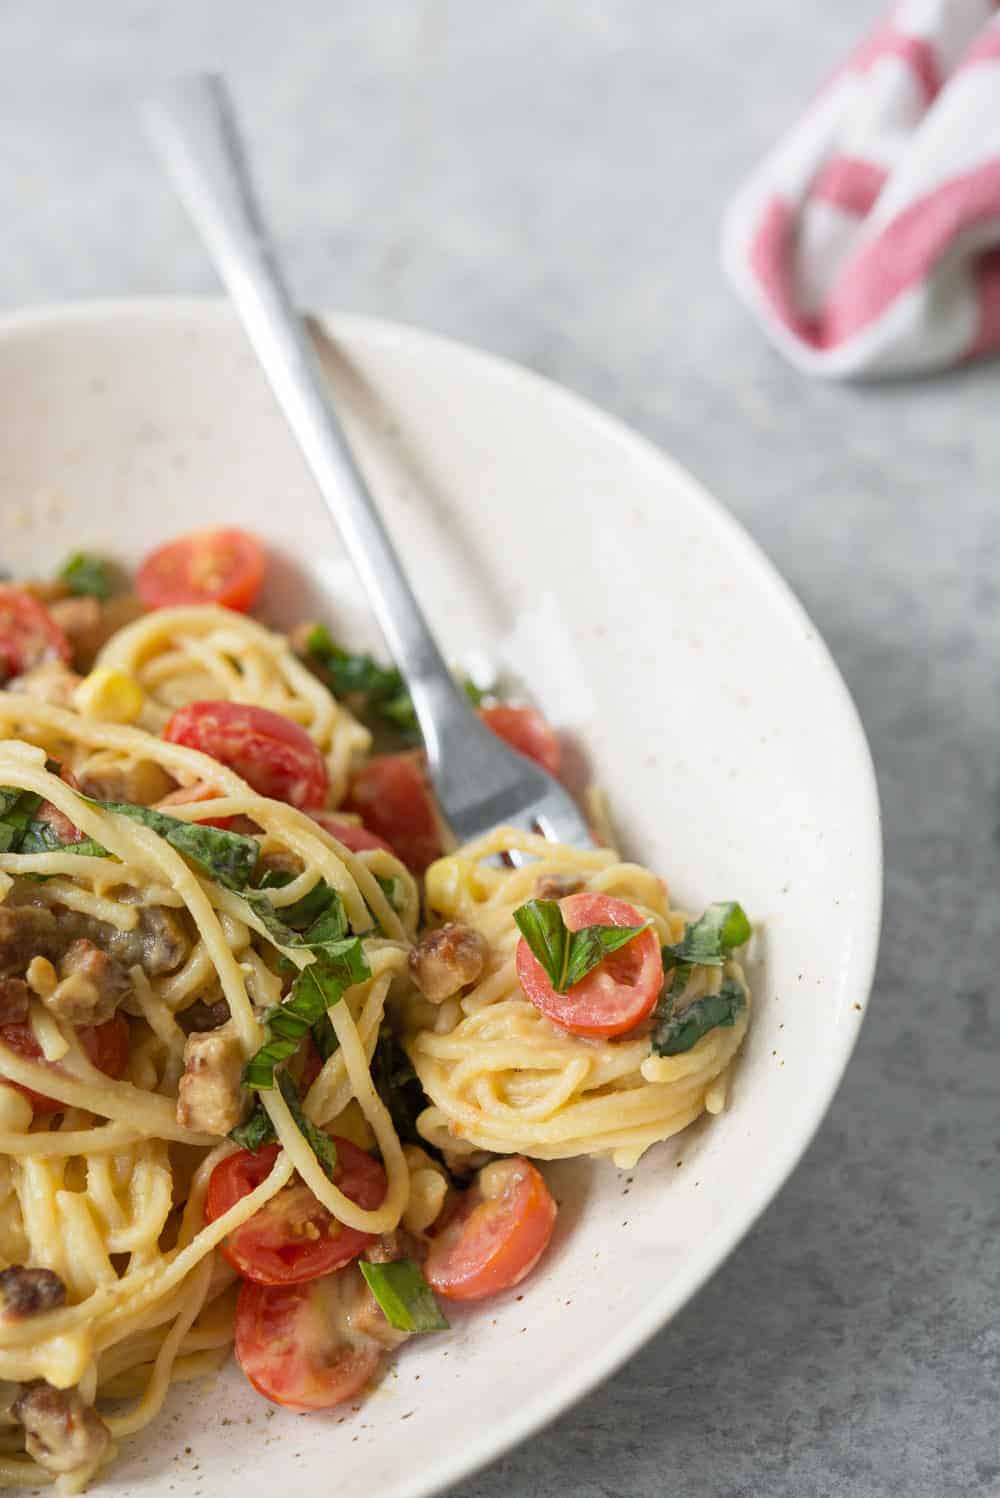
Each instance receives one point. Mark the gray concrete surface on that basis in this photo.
(545, 177)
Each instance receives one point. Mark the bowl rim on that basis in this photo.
(509, 1430)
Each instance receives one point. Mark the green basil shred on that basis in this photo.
(258, 1129)
(87, 575)
(568, 956)
(398, 1085)
(405, 1298)
(707, 942)
(317, 1139)
(677, 1032)
(228, 857)
(338, 963)
(380, 689)
(17, 810)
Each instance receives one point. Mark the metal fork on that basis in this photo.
(479, 781)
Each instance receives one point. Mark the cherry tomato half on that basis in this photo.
(617, 994)
(498, 1232)
(295, 1343)
(391, 796)
(223, 566)
(274, 755)
(525, 730)
(352, 834)
(293, 1237)
(105, 1046)
(60, 824)
(28, 633)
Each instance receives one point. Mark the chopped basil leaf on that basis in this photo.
(325, 1038)
(286, 1024)
(406, 1299)
(392, 889)
(708, 941)
(17, 808)
(229, 857)
(350, 673)
(10, 796)
(41, 837)
(676, 1033)
(317, 1139)
(398, 1086)
(568, 956)
(328, 929)
(337, 967)
(87, 575)
(257, 1131)
(591, 944)
(355, 673)
(280, 933)
(304, 911)
(339, 963)
(541, 924)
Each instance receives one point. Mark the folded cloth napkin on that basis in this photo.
(868, 242)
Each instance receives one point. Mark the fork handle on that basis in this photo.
(193, 128)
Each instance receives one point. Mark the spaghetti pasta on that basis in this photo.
(501, 1077)
(201, 1007)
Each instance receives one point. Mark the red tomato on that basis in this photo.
(184, 795)
(105, 1046)
(496, 1235)
(219, 566)
(28, 633)
(274, 755)
(352, 834)
(391, 796)
(617, 994)
(293, 1237)
(525, 730)
(294, 1342)
(65, 830)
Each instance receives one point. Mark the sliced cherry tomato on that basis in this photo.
(295, 1342)
(219, 566)
(28, 633)
(525, 730)
(496, 1235)
(59, 822)
(293, 1237)
(274, 755)
(617, 994)
(106, 1047)
(65, 830)
(201, 790)
(352, 834)
(391, 796)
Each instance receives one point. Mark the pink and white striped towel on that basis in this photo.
(868, 242)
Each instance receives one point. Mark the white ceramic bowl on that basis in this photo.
(651, 629)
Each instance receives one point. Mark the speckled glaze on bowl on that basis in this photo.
(577, 557)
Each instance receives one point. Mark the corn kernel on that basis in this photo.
(109, 695)
(452, 884)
